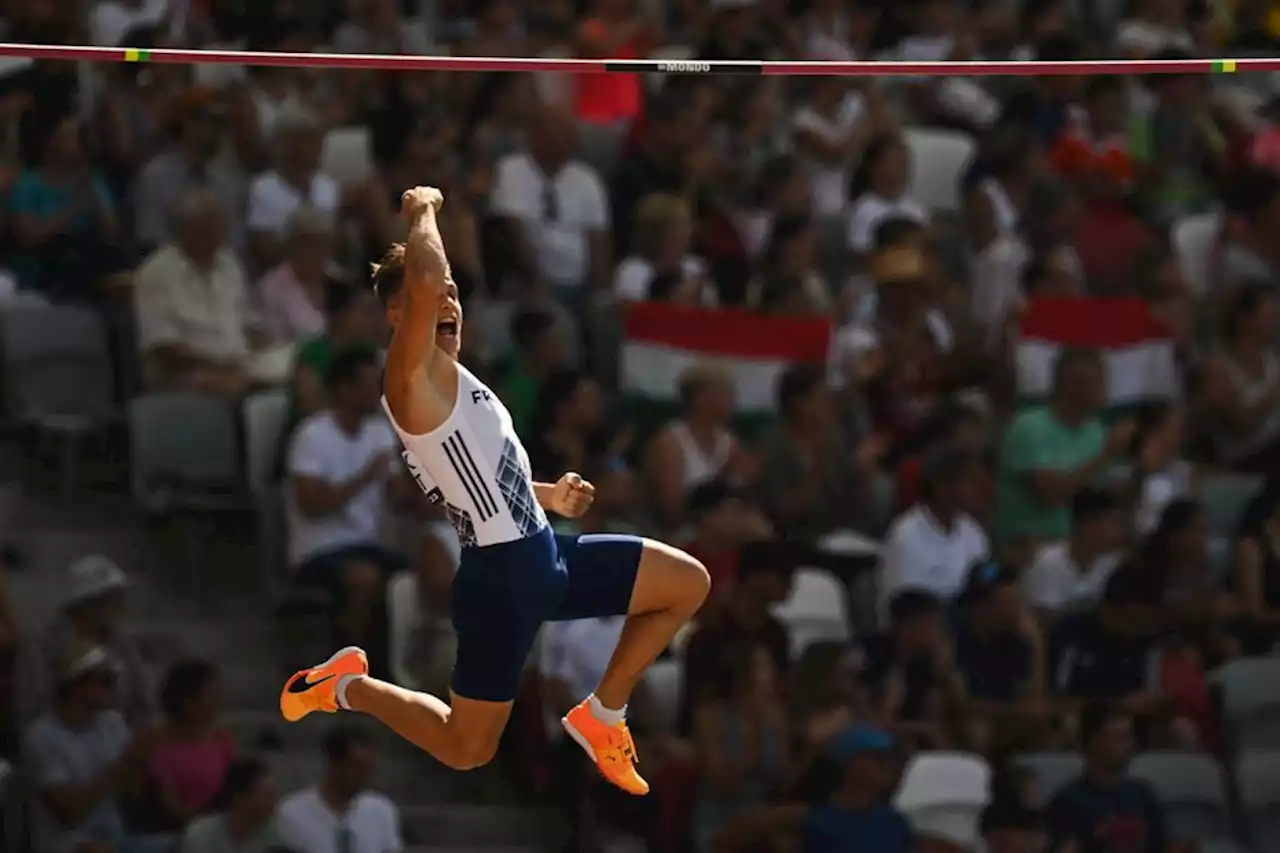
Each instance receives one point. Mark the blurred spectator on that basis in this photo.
(1008, 826)
(789, 282)
(191, 303)
(1195, 601)
(611, 29)
(1250, 232)
(662, 267)
(539, 351)
(1256, 580)
(243, 820)
(857, 814)
(1104, 807)
(879, 191)
(341, 467)
(741, 740)
(931, 547)
(1051, 452)
(191, 756)
(296, 180)
(963, 427)
(1069, 576)
(91, 617)
(82, 758)
(376, 26)
(1163, 476)
(567, 429)
(112, 20)
(832, 130)
(292, 293)
(1093, 152)
(340, 813)
(557, 208)
(656, 166)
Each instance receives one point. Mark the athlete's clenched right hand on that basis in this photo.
(418, 201)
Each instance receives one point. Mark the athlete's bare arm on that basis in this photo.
(412, 354)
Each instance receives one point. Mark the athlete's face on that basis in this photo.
(449, 321)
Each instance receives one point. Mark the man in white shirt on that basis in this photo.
(558, 208)
(276, 195)
(342, 466)
(1072, 574)
(340, 814)
(931, 546)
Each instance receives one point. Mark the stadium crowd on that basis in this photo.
(965, 390)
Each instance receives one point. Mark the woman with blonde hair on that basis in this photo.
(662, 266)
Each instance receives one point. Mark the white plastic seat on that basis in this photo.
(1193, 239)
(942, 795)
(816, 610)
(1251, 702)
(1192, 795)
(347, 155)
(938, 160)
(264, 421)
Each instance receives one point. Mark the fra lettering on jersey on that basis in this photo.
(480, 396)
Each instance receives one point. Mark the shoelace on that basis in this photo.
(628, 745)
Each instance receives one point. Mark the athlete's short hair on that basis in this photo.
(388, 274)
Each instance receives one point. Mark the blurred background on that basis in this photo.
(966, 391)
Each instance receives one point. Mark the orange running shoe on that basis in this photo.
(316, 689)
(610, 747)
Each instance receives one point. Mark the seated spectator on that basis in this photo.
(1256, 579)
(789, 282)
(812, 481)
(722, 524)
(82, 758)
(189, 760)
(741, 743)
(832, 130)
(744, 620)
(557, 208)
(857, 814)
(296, 180)
(1052, 452)
(340, 813)
(653, 167)
(192, 305)
(879, 189)
(91, 616)
(958, 425)
(64, 220)
(931, 547)
(1093, 151)
(292, 293)
(1070, 576)
(341, 466)
(353, 318)
(1108, 654)
(661, 267)
(696, 448)
(243, 820)
(1104, 807)
(999, 657)
(781, 191)
(1008, 826)
(567, 425)
(539, 351)
(1249, 233)
(1163, 475)
(910, 671)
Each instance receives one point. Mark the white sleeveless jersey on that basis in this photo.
(475, 465)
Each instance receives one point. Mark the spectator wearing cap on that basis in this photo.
(1051, 452)
(910, 670)
(91, 615)
(557, 208)
(81, 757)
(697, 447)
(858, 815)
(189, 163)
(931, 546)
(999, 655)
(539, 351)
(243, 817)
(1105, 808)
(1008, 826)
(340, 813)
(743, 619)
(192, 307)
(1069, 576)
(292, 294)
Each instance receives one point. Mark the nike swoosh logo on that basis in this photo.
(301, 685)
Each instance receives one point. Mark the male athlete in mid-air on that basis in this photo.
(515, 573)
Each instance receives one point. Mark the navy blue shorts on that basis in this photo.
(503, 593)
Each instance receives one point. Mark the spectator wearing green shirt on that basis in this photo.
(354, 318)
(539, 350)
(1051, 452)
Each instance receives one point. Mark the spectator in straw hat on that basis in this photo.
(90, 614)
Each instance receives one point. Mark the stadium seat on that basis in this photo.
(942, 795)
(1258, 783)
(1193, 240)
(404, 617)
(1250, 691)
(58, 375)
(347, 155)
(264, 421)
(184, 453)
(1224, 498)
(1052, 770)
(1191, 792)
(663, 679)
(938, 159)
(816, 610)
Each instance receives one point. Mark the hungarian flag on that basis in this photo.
(662, 340)
(1136, 349)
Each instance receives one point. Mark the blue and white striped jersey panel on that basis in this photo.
(474, 464)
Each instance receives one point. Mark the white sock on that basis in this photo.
(606, 715)
(341, 691)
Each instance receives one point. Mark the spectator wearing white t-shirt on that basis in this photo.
(558, 206)
(931, 547)
(341, 465)
(879, 192)
(661, 266)
(340, 814)
(276, 195)
(831, 129)
(1071, 575)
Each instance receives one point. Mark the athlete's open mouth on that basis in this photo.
(447, 328)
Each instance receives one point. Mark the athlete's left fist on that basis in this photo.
(572, 496)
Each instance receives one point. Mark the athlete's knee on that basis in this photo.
(470, 754)
(684, 579)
